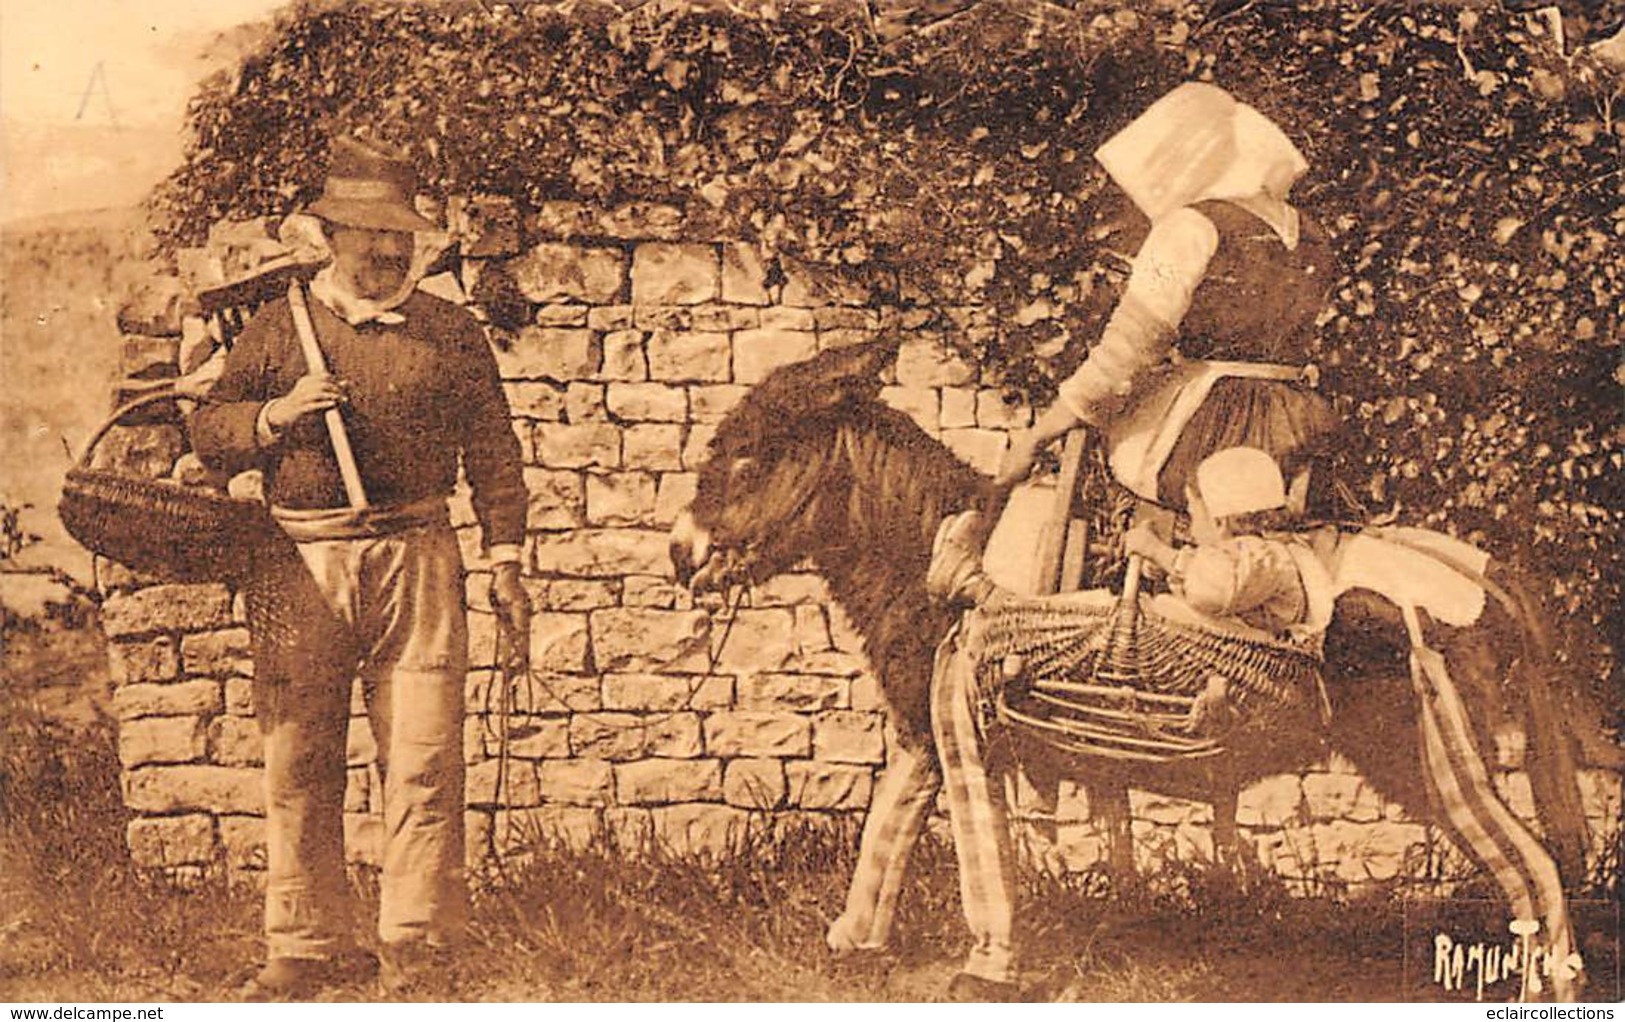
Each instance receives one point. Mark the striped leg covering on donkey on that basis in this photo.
(978, 819)
(908, 787)
(1480, 823)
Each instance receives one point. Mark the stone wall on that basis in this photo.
(637, 344)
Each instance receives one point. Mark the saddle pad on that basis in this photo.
(1413, 569)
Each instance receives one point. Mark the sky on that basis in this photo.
(51, 52)
(93, 92)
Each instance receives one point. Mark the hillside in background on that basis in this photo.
(64, 276)
(69, 168)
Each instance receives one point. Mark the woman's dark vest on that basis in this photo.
(1259, 300)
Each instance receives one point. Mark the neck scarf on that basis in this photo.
(305, 235)
(354, 309)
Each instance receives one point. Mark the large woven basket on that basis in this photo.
(160, 526)
(1097, 677)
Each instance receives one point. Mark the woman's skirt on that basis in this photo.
(1287, 421)
(1189, 410)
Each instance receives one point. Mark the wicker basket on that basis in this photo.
(188, 533)
(1119, 680)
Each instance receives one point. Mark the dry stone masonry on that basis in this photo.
(638, 342)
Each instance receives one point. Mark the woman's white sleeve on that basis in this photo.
(1166, 271)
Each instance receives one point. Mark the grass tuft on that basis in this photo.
(606, 922)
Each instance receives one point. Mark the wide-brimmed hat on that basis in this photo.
(370, 185)
(1199, 142)
(1239, 481)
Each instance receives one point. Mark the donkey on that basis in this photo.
(812, 466)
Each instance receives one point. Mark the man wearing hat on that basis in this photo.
(371, 583)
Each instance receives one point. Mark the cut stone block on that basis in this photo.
(173, 789)
(553, 272)
(756, 733)
(172, 840)
(675, 274)
(664, 781)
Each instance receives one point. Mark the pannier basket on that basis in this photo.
(1119, 680)
(160, 526)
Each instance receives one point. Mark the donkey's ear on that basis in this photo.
(868, 361)
(853, 369)
(884, 350)
(828, 380)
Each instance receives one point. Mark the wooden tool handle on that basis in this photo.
(315, 363)
(1053, 534)
(1120, 664)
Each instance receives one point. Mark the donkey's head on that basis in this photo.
(778, 469)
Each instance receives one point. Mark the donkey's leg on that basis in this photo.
(1483, 826)
(1226, 840)
(1224, 779)
(1108, 800)
(980, 825)
(908, 787)
(1235, 868)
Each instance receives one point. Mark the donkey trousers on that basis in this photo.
(976, 812)
(389, 611)
(977, 819)
(1481, 824)
(907, 790)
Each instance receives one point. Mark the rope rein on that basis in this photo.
(514, 672)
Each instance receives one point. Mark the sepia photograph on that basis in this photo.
(803, 501)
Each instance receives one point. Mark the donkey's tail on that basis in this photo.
(1562, 730)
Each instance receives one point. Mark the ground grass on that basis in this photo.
(79, 922)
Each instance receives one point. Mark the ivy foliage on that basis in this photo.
(1466, 159)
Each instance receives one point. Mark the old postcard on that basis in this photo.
(868, 500)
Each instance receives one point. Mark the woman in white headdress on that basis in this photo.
(1196, 388)
(1205, 349)
(1203, 353)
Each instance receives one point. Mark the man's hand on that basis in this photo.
(512, 606)
(313, 394)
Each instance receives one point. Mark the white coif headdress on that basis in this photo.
(1199, 142)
